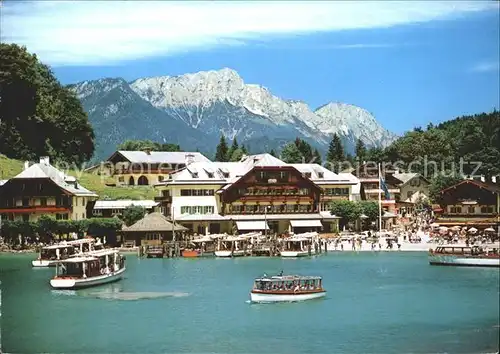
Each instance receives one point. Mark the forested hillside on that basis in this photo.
(466, 145)
(38, 116)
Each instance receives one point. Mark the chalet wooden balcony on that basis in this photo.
(259, 212)
(36, 209)
(275, 198)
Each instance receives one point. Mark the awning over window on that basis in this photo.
(252, 225)
(305, 223)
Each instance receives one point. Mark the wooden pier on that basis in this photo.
(170, 249)
(270, 248)
(155, 251)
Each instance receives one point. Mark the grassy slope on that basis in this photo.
(9, 168)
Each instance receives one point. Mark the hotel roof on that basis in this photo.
(223, 173)
(122, 204)
(44, 170)
(172, 157)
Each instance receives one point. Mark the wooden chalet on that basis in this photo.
(42, 189)
(470, 203)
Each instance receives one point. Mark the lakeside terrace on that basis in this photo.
(258, 193)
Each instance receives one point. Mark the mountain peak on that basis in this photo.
(218, 101)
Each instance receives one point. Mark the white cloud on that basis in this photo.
(486, 66)
(99, 32)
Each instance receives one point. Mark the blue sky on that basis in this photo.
(407, 63)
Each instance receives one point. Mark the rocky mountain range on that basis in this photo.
(193, 110)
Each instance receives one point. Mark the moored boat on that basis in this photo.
(49, 255)
(200, 247)
(299, 245)
(232, 246)
(287, 288)
(485, 255)
(89, 269)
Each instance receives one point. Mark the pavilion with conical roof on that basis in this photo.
(152, 229)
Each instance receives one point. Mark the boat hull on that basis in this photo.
(74, 283)
(196, 254)
(267, 298)
(225, 254)
(296, 253)
(459, 261)
(42, 263)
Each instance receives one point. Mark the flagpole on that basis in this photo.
(379, 200)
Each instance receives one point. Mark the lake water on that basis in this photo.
(376, 303)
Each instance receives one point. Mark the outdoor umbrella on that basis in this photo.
(473, 230)
(490, 229)
(456, 228)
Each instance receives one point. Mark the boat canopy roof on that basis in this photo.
(57, 246)
(103, 252)
(288, 278)
(80, 259)
(203, 239)
(297, 239)
(81, 241)
(234, 238)
(72, 243)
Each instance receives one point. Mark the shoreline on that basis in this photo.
(347, 249)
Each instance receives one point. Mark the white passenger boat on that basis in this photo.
(485, 255)
(287, 288)
(90, 269)
(232, 246)
(300, 245)
(49, 255)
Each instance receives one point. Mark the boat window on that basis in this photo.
(71, 269)
(48, 254)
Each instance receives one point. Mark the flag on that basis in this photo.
(383, 186)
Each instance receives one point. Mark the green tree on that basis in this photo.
(305, 150)
(222, 150)
(335, 155)
(273, 153)
(38, 115)
(347, 210)
(360, 150)
(370, 209)
(376, 154)
(316, 157)
(236, 155)
(132, 214)
(141, 145)
(232, 149)
(291, 154)
(440, 182)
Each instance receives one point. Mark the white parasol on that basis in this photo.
(456, 228)
(489, 229)
(472, 229)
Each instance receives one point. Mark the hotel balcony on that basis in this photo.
(36, 209)
(275, 198)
